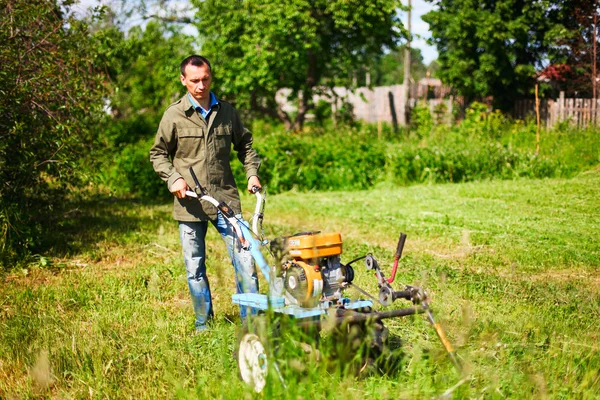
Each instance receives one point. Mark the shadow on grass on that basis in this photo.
(82, 223)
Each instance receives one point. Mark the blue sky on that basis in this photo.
(418, 26)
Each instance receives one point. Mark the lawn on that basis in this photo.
(512, 269)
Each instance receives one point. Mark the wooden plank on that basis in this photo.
(561, 105)
(569, 109)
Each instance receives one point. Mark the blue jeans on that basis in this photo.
(192, 236)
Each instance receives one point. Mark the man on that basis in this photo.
(198, 131)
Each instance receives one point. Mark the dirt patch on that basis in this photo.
(591, 278)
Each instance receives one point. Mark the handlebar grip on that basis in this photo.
(196, 181)
(400, 247)
(194, 177)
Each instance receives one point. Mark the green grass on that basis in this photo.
(512, 268)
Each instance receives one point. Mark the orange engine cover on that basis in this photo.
(310, 247)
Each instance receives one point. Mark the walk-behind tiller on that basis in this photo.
(306, 284)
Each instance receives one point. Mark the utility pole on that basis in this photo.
(594, 74)
(407, 69)
(594, 81)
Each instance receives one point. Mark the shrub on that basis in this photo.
(421, 119)
(484, 146)
(50, 95)
(130, 172)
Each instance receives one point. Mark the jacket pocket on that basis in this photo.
(191, 143)
(223, 139)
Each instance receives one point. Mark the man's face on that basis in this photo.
(197, 81)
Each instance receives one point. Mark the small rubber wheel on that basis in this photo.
(253, 361)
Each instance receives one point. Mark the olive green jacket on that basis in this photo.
(184, 139)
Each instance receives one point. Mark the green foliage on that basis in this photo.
(344, 115)
(320, 162)
(440, 113)
(322, 112)
(575, 38)
(303, 46)
(49, 95)
(388, 69)
(130, 172)
(485, 145)
(479, 121)
(142, 66)
(493, 48)
(421, 119)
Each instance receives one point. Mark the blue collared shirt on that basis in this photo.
(200, 109)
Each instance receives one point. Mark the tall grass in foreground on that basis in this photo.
(511, 267)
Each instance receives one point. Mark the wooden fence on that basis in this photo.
(381, 103)
(579, 112)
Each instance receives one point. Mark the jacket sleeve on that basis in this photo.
(165, 143)
(242, 144)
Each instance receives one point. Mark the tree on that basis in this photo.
(494, 47)
(581, 21)
(259, 46)
(142, 71)
(142, 79)
(389, 69)
(50, 94)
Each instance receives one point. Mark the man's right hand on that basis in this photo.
(178, 188)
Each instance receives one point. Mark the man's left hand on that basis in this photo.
(253, 181)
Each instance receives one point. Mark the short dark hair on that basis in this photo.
(196, 61)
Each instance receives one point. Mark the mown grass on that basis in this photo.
(511, 267)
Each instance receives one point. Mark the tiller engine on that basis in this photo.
(313, 271)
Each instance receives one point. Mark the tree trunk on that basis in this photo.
(306, 103)
(275, 112)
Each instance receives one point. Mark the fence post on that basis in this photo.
(551, 113)
(561, 106)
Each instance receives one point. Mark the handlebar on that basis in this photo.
(259, 210)
(397, 256)
(241, 229)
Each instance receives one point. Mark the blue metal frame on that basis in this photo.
(277, 304)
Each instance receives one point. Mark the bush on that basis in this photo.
(486, 145)
(324, 162)
(483, 146)
(130, 172)
(421, 119)
(50, 96)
